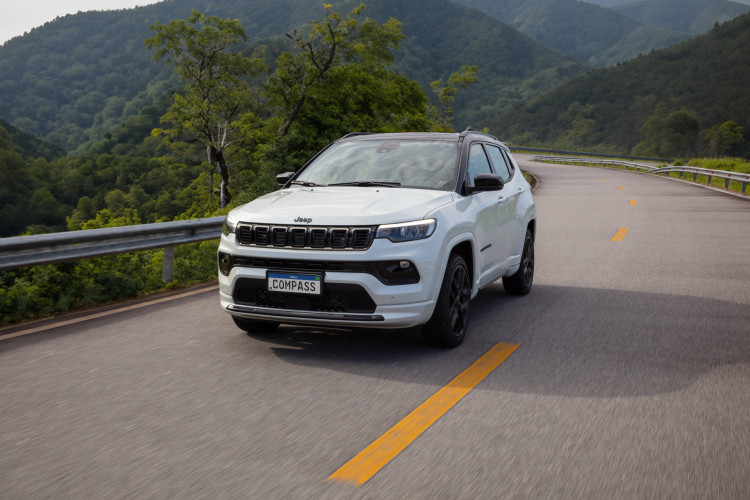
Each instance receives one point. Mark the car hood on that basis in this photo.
(345, 206)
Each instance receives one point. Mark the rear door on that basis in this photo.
(512, 219)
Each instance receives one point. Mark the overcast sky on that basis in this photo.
(19, 16)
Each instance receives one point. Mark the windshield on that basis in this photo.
(405, 163)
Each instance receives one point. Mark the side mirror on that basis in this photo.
(282, 179)
(487, 182)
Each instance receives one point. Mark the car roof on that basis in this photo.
(440, 136)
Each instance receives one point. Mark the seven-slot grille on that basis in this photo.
(356, 238)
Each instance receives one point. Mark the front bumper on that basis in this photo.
(393, 306)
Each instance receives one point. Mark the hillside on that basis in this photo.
(686, 16)
(701, 82)
(589, 33)
(27, 145)
(73, 79)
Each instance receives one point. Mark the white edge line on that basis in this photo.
(81, 319)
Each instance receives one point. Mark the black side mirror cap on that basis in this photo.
(282, 179)
(487, 182)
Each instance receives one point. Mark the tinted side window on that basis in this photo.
(478, 163)
(511, 162)
(503, 169)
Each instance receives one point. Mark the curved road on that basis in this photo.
(631, 379)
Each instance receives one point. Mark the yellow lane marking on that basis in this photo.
(621, 188)
(104, 313)
(621, 234)
(632, 202)
(602, 178)
(373, 458)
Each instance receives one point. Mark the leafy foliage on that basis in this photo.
(215, 91)
(620, 109)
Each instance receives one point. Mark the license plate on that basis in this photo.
(309, 284)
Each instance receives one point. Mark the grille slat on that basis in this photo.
(262, 235)
(279, 236)
(337, 238)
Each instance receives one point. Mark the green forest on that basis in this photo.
(71, 81)
(684, 101)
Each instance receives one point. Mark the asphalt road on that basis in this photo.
(631, 379)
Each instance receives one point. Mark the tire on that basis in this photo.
(255, 325)
(520, 282)
(449, 322)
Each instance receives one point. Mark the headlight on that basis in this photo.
(407, 231)
(229, 226)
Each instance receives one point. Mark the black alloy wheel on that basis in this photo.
(520, 282)
(450, 320)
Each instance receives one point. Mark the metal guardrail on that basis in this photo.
(582, 154)
(26, 251)
(593, 161)
(722, 174)
(696, 171)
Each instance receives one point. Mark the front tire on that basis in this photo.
(450, 320)
(520, 282)
(255, 325)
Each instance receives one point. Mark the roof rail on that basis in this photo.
(469, 131)
(354, 134)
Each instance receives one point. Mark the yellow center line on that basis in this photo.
(621, 188)
(632, 202)
(621, 234)
(373, 458)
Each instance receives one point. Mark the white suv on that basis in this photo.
(382, 231)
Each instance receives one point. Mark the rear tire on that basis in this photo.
(520, 282)
(450, 320)
(255, 325)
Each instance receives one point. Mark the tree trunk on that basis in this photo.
(216, 157)
(293, 115)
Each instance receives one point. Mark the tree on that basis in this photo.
(446, 93)
(669, 134)
(330, 43)
(215, 92)
(721, 139)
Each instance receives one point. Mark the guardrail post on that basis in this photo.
(167, 265)
(709, 180)
(726, 183)
(695, 176)
(744, 186)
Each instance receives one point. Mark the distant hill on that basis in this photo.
(27, 145)
(75, 78)
(586, 32)
(686, 16)
(706, 77)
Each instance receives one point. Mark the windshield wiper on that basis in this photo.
(305, 183)
(368, 183)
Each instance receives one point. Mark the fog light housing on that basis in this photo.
(226, 263)
(397, 272)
